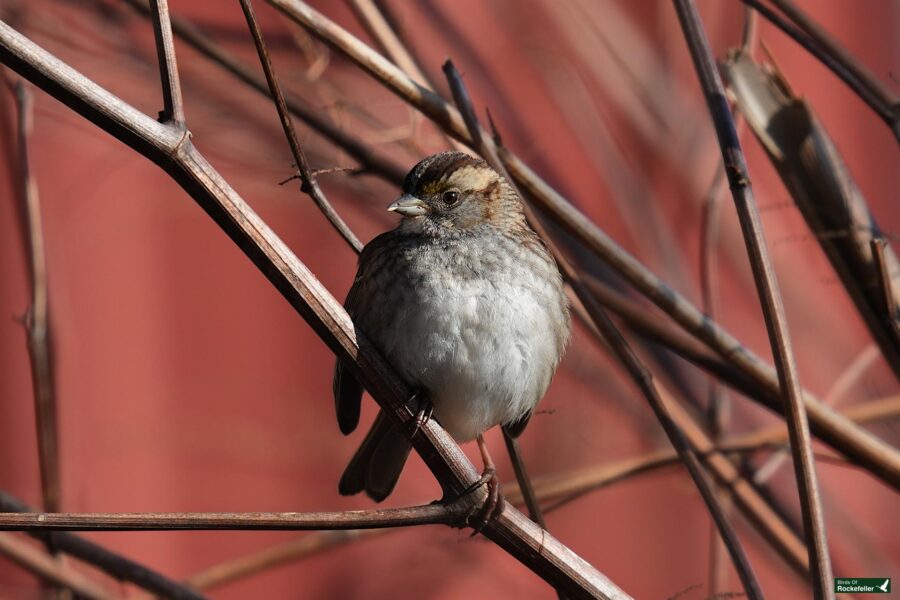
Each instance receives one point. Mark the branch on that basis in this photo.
(453, 514)
(865, 449)
(172, 150)
(37, 320)
(620, 347)
(309, 183)
(47, 568)
(769, 295)
(173, 109)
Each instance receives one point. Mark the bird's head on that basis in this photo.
(453, 193)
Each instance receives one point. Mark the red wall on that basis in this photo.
(186, 382)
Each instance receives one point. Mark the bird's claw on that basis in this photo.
(424, 412)
(479, 516)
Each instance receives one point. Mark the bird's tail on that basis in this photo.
(376, 466)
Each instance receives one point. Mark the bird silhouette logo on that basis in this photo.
(884, 586)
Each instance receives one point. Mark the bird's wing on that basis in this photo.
(346, 387)
(516, 428)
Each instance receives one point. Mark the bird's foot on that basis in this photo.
(424, 410)
(479, 516)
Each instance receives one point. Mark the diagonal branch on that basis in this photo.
(769, 295)
(863, 447)
(309, 183)
(619, 346)
(173, 151)
(44, 566)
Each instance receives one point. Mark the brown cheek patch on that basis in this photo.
(491, 195)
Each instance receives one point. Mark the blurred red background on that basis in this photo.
(185, 382)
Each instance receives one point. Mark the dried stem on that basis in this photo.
(309, 183)
(617, 343)
(43, 565)
(37, 320)
(719, 402)
(526, 488)
(173, 151)
(812, 37)
(173, 108)
(770, 298)
(865, 449)
(114, 564)
(430, 514)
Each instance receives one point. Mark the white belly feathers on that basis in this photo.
(489, 361)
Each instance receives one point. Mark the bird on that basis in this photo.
(466, 302)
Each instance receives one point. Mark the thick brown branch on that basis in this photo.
(309, 183)
(769, 295)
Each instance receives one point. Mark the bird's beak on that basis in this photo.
(409, 206)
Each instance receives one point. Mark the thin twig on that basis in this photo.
(43, 565)
(617, 343)
(430, 514)
(769, 295)
(877, 456)
(309, 183)
(173, 108)
(524, 480)
(368, 157)
(175, 153)
(250, 564)
(826, 49)
(37, 321)
(114, 564)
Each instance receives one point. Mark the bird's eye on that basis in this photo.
(450, 197)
